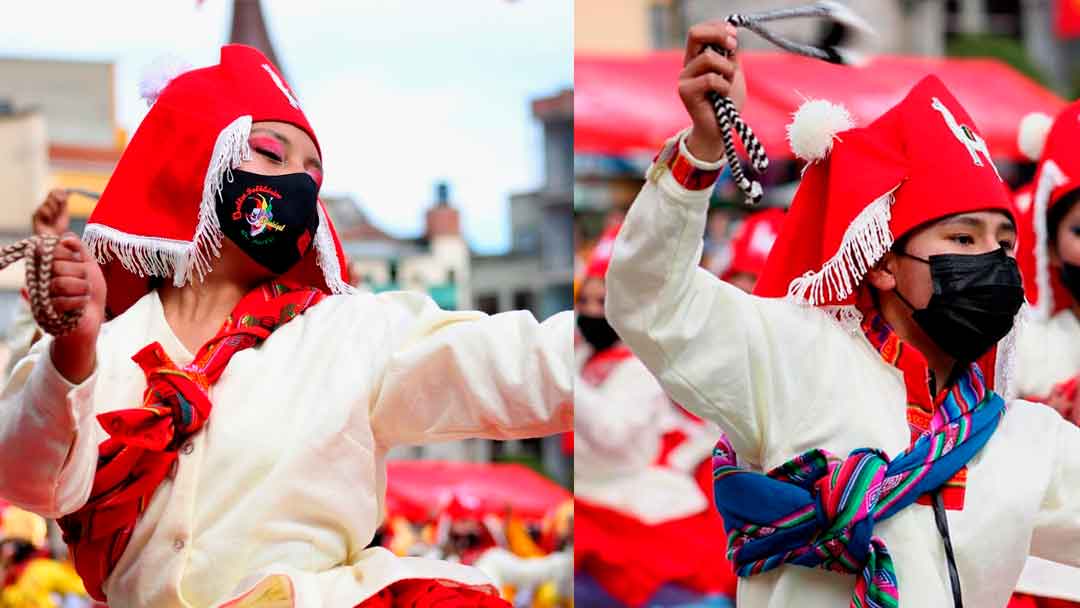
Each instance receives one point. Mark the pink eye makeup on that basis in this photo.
(267, 146)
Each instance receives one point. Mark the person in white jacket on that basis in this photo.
(625, 498)
(1049, 345)
(1048, 341)
(871, 380)
(221, 441)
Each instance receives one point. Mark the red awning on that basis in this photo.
(419, 490)
(627, 106)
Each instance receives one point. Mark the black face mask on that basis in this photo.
(1070, 276)
(597, 332)
(273, 218)
(976, 298)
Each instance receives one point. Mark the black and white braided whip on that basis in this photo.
(726, 114)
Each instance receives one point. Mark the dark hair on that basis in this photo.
(1058, 213)
(900, 244)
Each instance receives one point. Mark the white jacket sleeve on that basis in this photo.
(1057, 525)
(46, 437)
(738, 360)
(454, 374)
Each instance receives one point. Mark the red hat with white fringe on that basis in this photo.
(865, 187)
(156, 216)
(1052, 143)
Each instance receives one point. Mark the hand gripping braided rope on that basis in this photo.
(726, 114)
(38, 253)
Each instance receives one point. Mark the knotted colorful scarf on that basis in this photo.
(818, 510)
(143, 442)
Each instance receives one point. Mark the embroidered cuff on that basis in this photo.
(691, 173)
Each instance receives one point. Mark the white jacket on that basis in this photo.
(780, 378)
(284, 487)
(1047, 353)
(617, 430)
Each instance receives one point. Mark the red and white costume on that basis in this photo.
(275, 500)
(638, 521)
(1048, 341)
(1049, 345)
(781, 377)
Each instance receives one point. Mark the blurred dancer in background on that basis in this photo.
(641, 525)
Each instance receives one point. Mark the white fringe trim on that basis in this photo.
(230, 149)
(152, 256)
(158, 257)
(865, 241)
(139, 255)
(1050, 177)
(326, 257)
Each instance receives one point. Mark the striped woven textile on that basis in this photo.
(818, 510)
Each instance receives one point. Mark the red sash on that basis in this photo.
(143, 442)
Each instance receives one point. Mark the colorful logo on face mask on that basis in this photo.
(259, 202)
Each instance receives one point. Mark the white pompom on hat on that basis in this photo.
(158, 74)
(1031, 138)
(814, 126)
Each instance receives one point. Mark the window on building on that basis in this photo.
(523, 300)
(559, 152)
(487, 303)
(996, 17)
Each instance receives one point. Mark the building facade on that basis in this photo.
(535, 274)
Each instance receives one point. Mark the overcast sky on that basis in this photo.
(401, 92)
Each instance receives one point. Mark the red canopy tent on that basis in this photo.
(627, 106)
(419, 490)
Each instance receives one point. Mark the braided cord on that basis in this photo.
(727, 116)
(38, 252)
